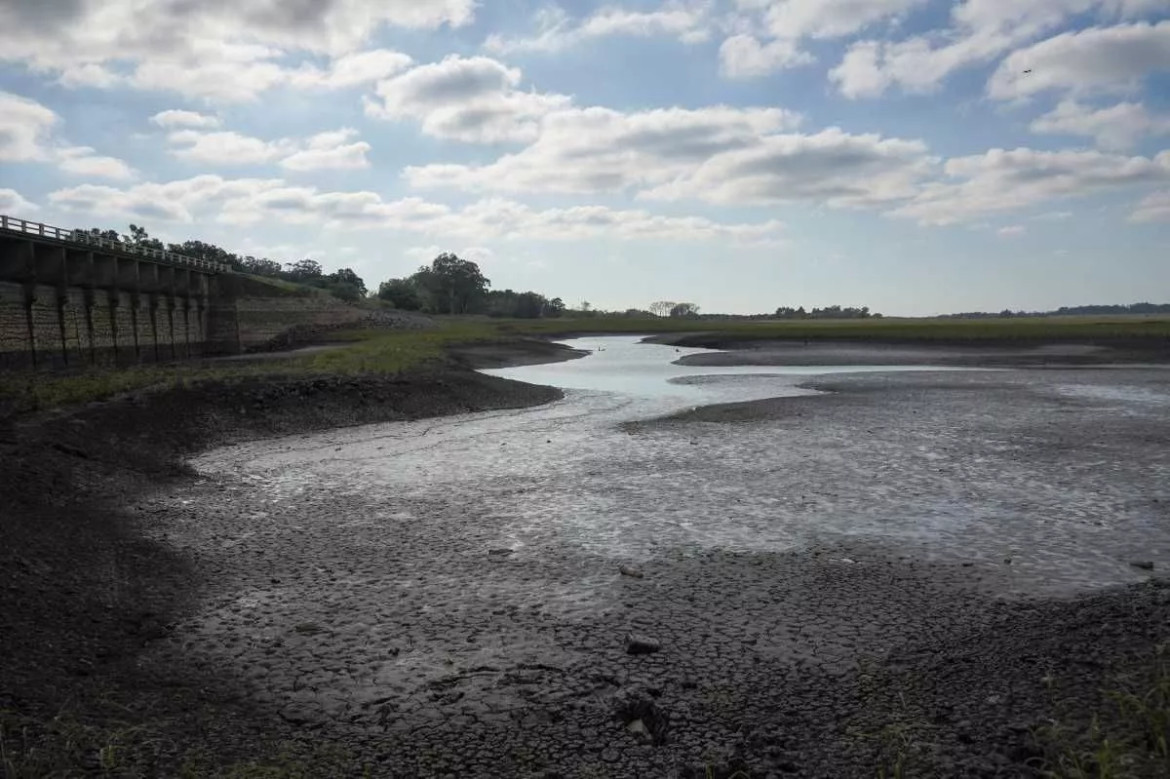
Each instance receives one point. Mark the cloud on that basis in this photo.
(723, 155)
(831, 167)
(1011, 231)
(249, 201)
(327, 150)
(217, 50)
(225, 148)
(557, 31)
(353, 70)
(980, 31)
(12, 203)
(795, 19)
(27, 134)
(179, 118)
(1099, 59)
(83, 161)
(1116, 128)
(1155, 207)
(475, 100)
(770, 38)
(587, 150)
(742, 56)
(25, 128)
(1018, 180)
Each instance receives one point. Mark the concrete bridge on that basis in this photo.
(70, 298)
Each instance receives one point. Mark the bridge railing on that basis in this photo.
(86, 238)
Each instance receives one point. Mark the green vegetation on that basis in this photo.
(1130, 738)
(1016, 329)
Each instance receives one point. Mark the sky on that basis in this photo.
(913, 156)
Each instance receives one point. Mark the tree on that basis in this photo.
(304, 270)
(453, 285)
(260, 266)
(346, 284)
(662, 307)
(556, 307)
(401, 293)
(684, 310)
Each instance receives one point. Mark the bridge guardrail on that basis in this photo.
(85, 238)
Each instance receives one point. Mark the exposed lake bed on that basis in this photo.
(447, 596)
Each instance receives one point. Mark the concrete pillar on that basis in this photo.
(82, 274)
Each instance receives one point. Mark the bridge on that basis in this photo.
(73, 298)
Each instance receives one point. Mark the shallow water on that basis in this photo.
(646, 374)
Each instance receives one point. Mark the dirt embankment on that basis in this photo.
(82, 592)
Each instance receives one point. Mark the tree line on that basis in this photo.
(344, 284)
(1090, 310)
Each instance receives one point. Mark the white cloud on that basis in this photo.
(248, 201)
(82, 161)
(353, 70)
(1010, 231)
(795, 19)
(27, 135)
(981, 30)
(1116, 128)
(1155, 207)
(179, 118)
(1018, 180)
(557, 31)
(585, 150)
(89, 74)
(25, 128)
(742, 56)
(329, 150)
(1100, 59)
(476, 100)
(770, 38)
(225, 148)
(13, 204)
(831, 166)
(216, 50)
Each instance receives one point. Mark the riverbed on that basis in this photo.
(449, 593)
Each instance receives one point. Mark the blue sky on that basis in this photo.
(915, 156)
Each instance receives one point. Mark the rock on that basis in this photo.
(628, 570)
(641, 645)
(637, 727)
(500, 552)
(1145, 565)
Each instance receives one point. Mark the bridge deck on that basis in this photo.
(12, 227)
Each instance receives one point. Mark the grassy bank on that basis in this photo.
(396, 351)
(1007, 330)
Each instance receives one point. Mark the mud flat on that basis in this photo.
(916, 571)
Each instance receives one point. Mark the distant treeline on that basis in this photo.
(1095, 310)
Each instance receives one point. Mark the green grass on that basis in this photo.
(1128, 738)
(926, 330)
(396, 351)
